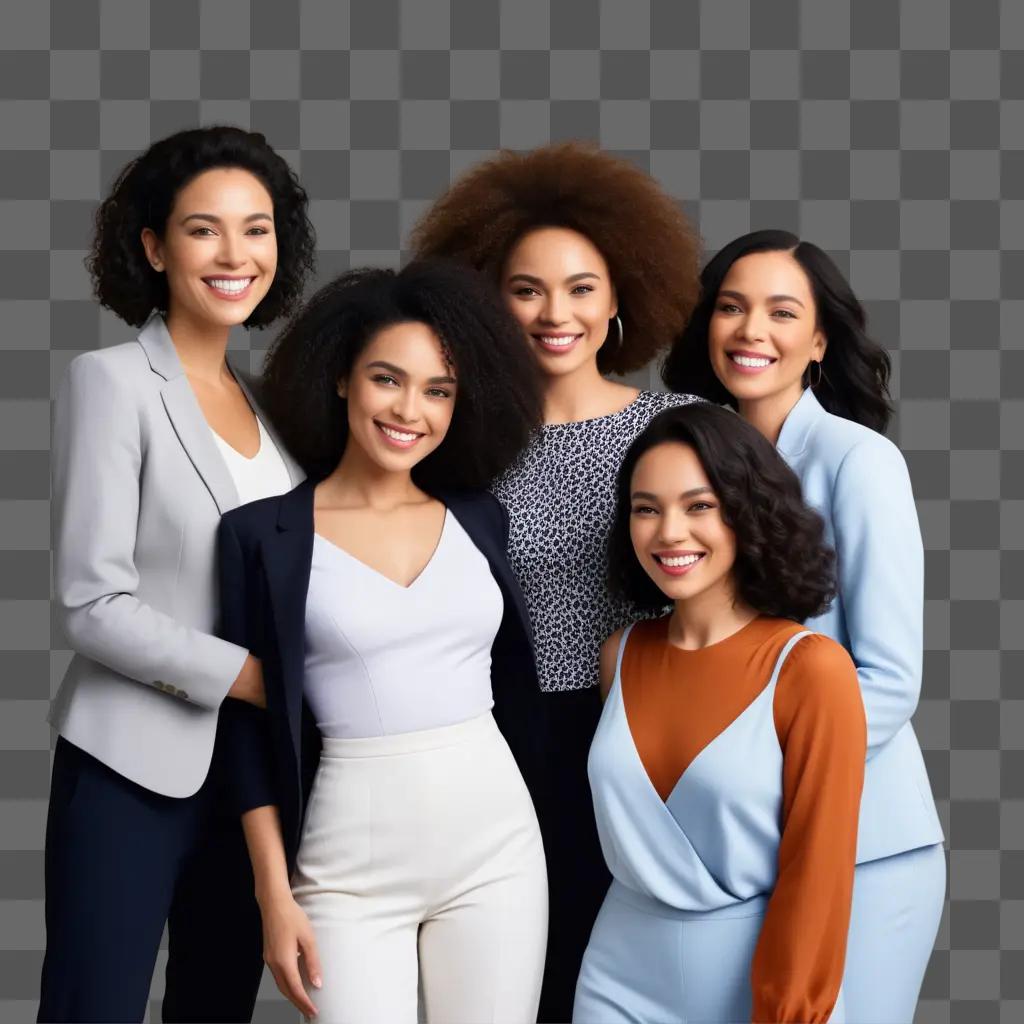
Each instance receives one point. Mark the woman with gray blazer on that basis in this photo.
(153, 440)
(780, 336)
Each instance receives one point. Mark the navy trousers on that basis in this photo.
(121, 861)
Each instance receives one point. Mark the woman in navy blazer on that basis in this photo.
(780, 336)
(401, 396)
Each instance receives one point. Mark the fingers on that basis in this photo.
(311, 959)
(289, 984)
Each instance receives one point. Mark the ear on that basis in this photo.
(614, 311)
(818, 345)
(154, 249)
(343, 388)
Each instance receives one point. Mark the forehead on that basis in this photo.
(224, 189)
(555, 251)
(768, 273)
(669, 468)
(412, 346)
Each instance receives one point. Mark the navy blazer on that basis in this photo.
(265, 550)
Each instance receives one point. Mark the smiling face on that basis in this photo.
(763, 331)
(400, 397)
(218, 249)
(676, 525)
(557, 285)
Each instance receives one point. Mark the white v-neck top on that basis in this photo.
(262, 476)
(383, 659)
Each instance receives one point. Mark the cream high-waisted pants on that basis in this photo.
(421, 866)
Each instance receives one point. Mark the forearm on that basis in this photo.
(262, 828)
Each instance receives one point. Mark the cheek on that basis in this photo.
(524, 312)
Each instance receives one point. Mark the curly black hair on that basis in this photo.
(649, 245)
(498, 402)
(855, 369)
(143, 195)
(783, 566)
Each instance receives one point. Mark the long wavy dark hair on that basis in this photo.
(498, 402)
(855, 368)
(783, 566)
(143, 195)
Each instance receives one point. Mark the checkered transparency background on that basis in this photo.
(892, 134)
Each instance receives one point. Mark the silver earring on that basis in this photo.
(813, 382)
(618, 323)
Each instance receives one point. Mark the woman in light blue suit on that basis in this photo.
(780, 336)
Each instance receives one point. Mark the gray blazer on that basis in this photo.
(138, 489)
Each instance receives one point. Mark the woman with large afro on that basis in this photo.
(599, 266)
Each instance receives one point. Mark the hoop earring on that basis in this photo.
(618, 323)
(810, 373)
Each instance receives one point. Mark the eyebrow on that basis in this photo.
(214, 219)
(571, 279)
(686, 494)
(399, 372)
(771, 298)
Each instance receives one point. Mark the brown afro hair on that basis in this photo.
(649, 246)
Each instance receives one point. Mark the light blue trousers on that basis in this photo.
(897, 905)
(649, 964)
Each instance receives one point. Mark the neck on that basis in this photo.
(580, 395)
(708, 617)
(768, 414)
(201, 346)
(358, 481)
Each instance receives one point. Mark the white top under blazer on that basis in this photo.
(383, 659)
(263, 476)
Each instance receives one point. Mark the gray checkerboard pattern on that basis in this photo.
(891, 133)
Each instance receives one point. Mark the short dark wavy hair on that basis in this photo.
(855, 369)
(649, 246)
(498, 401)
(783, 566)
(143, 195)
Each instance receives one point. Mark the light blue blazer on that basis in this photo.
(857, 479)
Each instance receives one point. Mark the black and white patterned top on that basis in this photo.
(560, 497)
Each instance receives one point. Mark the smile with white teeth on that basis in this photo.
(754, 362)
(559, 341)
(229, 286)
(398, 435)
(678, 561)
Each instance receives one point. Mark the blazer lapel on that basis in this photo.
(287, 557)
(185, 415)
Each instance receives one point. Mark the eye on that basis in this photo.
(202, 232)
(728, 307)
(784, 314)
(384, 378)
(438, 393)
(644, 510)
(525, 290)
(700, 506)
(582, 289)
(258, 231)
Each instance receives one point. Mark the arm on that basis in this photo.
(97, 464)
(881, 579)
(798, 963)
(606, 662)
(287, 933)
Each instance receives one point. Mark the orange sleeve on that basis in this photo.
(819, 718)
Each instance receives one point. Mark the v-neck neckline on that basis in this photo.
(384, 576)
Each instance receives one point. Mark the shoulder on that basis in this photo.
(819, 677)
(608, 659)
(114, 368)
(850, 446)
(653, 402)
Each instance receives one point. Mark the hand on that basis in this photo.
(287, 937)
(248, 685)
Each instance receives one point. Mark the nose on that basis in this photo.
(229, 252)
(406, 406)
(672, 527)
(553, 310)
(754, 326)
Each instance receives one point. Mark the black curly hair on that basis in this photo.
(783, 566)
(855, 369)
(498, 402)
(143, 195)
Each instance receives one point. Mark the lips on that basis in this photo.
(750, 362)
(396, 436)
(230, 289)
(678, 563)
(557, 344)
